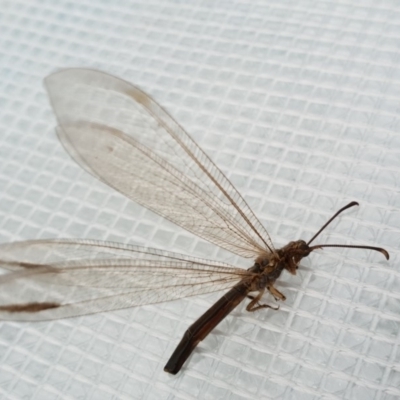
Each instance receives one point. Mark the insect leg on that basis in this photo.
(276, 293)
(255, 304)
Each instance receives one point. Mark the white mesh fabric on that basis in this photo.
(297, 103)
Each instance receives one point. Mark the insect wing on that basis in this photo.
(51, 279)
(124, 138)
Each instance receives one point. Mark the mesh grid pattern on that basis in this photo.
(297, 102)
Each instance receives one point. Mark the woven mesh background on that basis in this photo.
(297, 101)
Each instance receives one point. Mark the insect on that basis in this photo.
(125, 139)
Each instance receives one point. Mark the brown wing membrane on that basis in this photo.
(51, 279)
(124, 138)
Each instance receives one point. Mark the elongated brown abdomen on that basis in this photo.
(205, 324)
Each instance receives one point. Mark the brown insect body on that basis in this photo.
(268, 267)
(265, 271)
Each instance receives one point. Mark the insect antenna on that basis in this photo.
(352, 204)
(320, 246)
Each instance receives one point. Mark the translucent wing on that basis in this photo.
(51, 279)
(124, 138)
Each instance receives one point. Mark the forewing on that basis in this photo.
(51, 279)
(124, 138)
